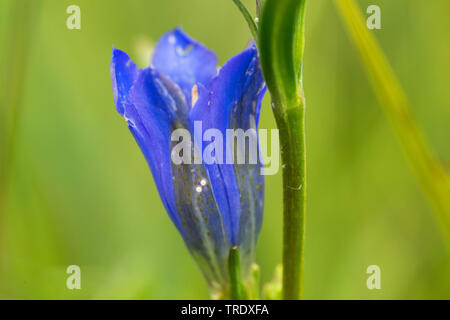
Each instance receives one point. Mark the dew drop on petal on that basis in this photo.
(198, 189)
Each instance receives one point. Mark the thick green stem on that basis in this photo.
(293, 156)
(237, 289)
(281, 46)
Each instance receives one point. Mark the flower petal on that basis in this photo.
(153, 107)
(123, 75)
(201, 221)
(233, 100)
(184, 60)
(156, 106)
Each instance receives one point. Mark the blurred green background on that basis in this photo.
(79, 191)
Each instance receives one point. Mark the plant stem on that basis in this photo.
(237, 291)
(281, 46)
(293, 156)
(432, 176)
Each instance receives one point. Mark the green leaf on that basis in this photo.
(249, 19)
(281, 43)
(299, 41)
(259, 6)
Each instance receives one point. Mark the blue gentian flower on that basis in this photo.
(217, 206)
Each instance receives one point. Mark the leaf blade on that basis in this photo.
(248, 18)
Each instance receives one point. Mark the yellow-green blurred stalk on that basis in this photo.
(432, 176)
(13, 64)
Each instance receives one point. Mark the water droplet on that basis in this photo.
(203, 182)
(198, 189)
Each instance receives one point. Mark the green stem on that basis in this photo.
(281, 45)
(432, 176)
(237, 290)
(291, 126)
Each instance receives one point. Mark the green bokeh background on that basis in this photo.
(80, 191)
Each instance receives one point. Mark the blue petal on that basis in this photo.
(154, 106)
(184, 60)
(158, 108)
(123, 74)
(201, 220)
(233, 100)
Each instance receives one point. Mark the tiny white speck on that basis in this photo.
(172, 39)
(256, 19)
(198, 189)
(203, 182)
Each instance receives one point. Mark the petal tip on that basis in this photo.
(123, 75)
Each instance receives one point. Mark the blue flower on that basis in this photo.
(214, 206)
